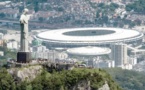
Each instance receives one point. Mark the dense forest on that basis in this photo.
(127, 79)
(62, 80)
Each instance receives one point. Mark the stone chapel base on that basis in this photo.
(23, 57)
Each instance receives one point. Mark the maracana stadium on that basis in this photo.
(78, 37)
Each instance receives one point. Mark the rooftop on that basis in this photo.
(89, 51)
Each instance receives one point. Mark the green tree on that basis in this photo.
(40, 19)
(6, 80)
(2, 15)
(128, 79)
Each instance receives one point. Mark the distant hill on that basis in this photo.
(127, 79)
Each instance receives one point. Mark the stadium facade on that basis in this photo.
(78, 37)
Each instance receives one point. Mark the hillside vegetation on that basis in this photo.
(127, 79)
(63, 80)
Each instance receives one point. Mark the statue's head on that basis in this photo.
(26, 10)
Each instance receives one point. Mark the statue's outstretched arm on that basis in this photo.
(28, 16)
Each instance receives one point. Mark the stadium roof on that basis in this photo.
(67, 34)
(89, 51)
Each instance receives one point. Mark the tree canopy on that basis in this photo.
(128, 79)
(62, 80)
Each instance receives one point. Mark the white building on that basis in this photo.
(12, 45)
(104, 64)
(119, 54)
(132, 60)
(39, 48)
(42, 55)
(97, 63)
(62, 56)
(1, 53)
(1, 36)
(127, 66)
(50, 55)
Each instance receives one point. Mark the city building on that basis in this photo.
(1, 53)
(2, 42)
(1, 36)
(100, 1)
(98, 63)
(127, 66)
(50, 55)
(12, 45)
(132, 60)
(104, 64)
(119, 54)
(62, 56)
(39, 48)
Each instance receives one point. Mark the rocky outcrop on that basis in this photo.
(105, 87)
(82, 85)
(85, 85)
(25, 73)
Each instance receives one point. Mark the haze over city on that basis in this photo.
(62, 39)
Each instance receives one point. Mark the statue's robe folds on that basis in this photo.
(24, 32)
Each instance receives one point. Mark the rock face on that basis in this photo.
(105, 87)
(85, 85)
(25, 73)
(82, 85)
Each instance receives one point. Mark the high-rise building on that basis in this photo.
(119, 54)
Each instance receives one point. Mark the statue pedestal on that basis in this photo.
(23, 57)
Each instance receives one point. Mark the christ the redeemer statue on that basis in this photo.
(24, 56)
(24, 31)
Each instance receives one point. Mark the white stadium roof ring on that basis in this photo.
(89, 36)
